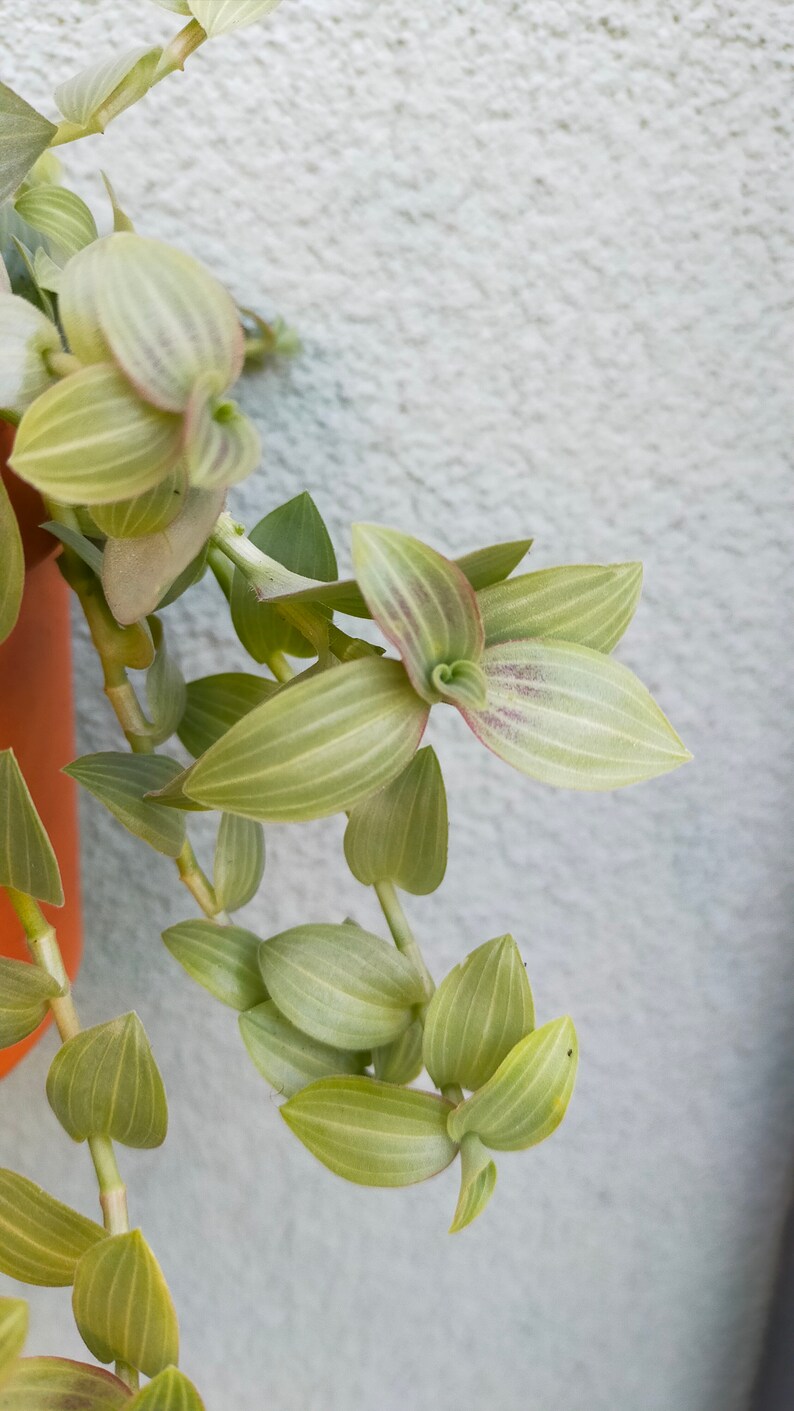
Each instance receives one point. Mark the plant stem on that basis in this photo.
(179, 49)
(404, 938)
(280, 666)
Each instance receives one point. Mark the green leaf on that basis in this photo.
(215, 703)
(426, 607)
(372, 1133)
(222, 445)
(490, 565)
(41, 1239)
(477, 1015)
(78, 306)
(170, 1391)
(224, 959)
(121, 220)
(401, 1060)
(219, 16)
(528, 1095)
(83, 547)
(477, 1182)
(47, 273)
(89, 440)
(296, 536)
(341, 984)
(572, 717)
(144, 514)
(61, 215)
(95, 95)
(288, 1059)
(166, 692)
(136, 573)
(121, 782)
(315, 748)
(26, 337)
(24, 135)
(25, 992)
(591, 604)
(53, 1384)
(13, 1332)
(12, 558)
(122, 1306)
(105, 1083)
(400, 834)
(27, 861)
(239, 861)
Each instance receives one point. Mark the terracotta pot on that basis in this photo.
(37, 721)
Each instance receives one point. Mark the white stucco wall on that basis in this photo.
(536, 254)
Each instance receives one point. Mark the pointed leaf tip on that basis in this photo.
(105, 1082)
(122, 1305)
(27, 861)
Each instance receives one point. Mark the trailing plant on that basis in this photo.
(118, 357)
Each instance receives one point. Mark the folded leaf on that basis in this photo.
(215, 703)
(145, 514)
(121, 782)
(122, 1306)
(13, 1332)
(26, 338)
(170, 1391)
(166, 692)
(572, 717)
(27, 861)
(591, 604)
(424, 605)
(53, 1384)
(105, 1083)
(41, 1239)
(25, 992)
(59, 214)
(12, 575)
(401, 1060)
(477, 1182)
(136, 573)
(78, 304)
(528, 1095)
(224, 959)
(219, 16)
(341, 984)
(24, 135)
(372, 1133)
(87, 99)
(239, 863)
(477, 1015)
(222, 445)
(400, 834)
(294, 535)
(316, 748)
(288, 1059)
(121, 220)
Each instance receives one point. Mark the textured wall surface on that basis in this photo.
(536, 254)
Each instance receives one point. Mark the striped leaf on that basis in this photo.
(137, 573)
(47, 273)
(90, 440)
(528, 1095)
(288, 1059)
(78, 304)
(41, 1239)
(317, 747)
(400, 834)
(13, 1333)
(105, 1083)
(145, 514)
(239, 863)
(26, 337)
(166, 691)
(25, 992)
(372, 1133)
(27, 861)
(341, 985)
(591, 604)
(219, 16)
(103, 90)
(12, 572)
(493, 563)
(170, 1391)
(121, 782)
(53, 1384)
(572, 717)
(294, 535)
(122, 1306)
(224, 959)
(477, 1015)
(215, 703)
(24, 135)
(477, 1182)
(222, 445)
(59, 214)
(401, 1060)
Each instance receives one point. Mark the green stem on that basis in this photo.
(404, 938)
(280, 667)
(175, 53)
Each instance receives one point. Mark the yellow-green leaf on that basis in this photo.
(170, 1391)
(137, 573)
(224, 959)
(528, 1095)
(121, 782)
(27, 861)
(12, 566)
(341, 985)
(477, 1182)
(401, 1060)
(78, 304)
(572, 717)
(239, 863)
(61, 215)
(289, 1059)
(54, 1384)
(219, 16)
(294, 534)
(144, 514)
(493, 563)
(105, 1083)
(315, 748)
(166, 692)
(121, 220)
(24, 135)
(400, 834)
(26, 337)
(215, 703)
(591, 604)
(122, 1305)
(25, 992)
(477, 1015)
(13, 1332)
(222, 445)
(41, 1239)
(372, 1133)
(103, 90)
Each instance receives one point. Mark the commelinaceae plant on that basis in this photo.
(117, 358)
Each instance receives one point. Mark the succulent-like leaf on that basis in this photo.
(401, 1060)
(294, 535)
(477, 1182)
(372, 1133)
(90, 440)
(27, 861)
(61, 215)
(316, 748)
(170, 1391)
(24, 135)
(528, 1095)
(145, 514)
(103, 90)
(105, 1083)
(239, 863)
(121, 782)
(572, 717)
(341, 985)
(25, 992)
(400, 834)
(287, 1058)
(41, 1239)
(477, 1015)
(13, 1332)
(222, 445)
(425, 606)
(137, 573)
(591, 604)
(224, 959)
(26, 337)
(54, 1384)
(219, 16)
(166, 692)
(122, 1305)
(12, 558)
